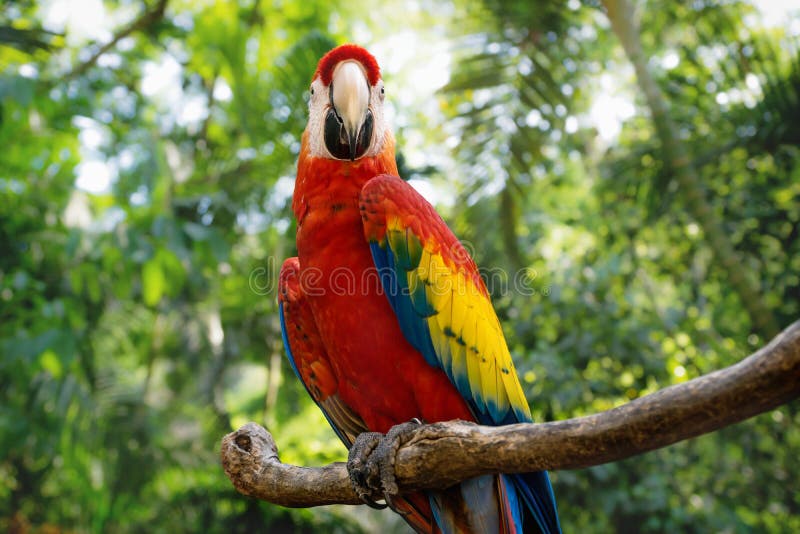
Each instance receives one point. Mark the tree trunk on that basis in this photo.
(626, 26)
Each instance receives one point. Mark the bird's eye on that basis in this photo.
(312, 91)
(383, 93)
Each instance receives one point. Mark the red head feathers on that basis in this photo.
(342, 53)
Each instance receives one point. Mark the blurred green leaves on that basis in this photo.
(126, 310)
(137, 324)
(629, 297)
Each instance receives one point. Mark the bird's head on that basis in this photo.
(346, 119)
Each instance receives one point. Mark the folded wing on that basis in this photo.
(309, 360)
(445, 312)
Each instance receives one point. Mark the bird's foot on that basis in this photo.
(371, 463)
(365, 476)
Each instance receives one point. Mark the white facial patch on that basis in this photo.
(320, 102)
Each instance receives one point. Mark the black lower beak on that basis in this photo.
(344, 144)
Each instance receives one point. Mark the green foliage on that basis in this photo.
(628, 296)
(129, 312)
(144, 215)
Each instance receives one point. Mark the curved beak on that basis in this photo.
(350, 99)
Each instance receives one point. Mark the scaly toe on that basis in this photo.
(364, 476)
(385, 456)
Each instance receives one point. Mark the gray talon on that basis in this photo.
(358, 468)
(385, 456)
(371, 464)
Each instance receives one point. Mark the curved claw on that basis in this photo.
(371, 464)
(385, 455)
(366, 499)
(361, 488)
(363, 475)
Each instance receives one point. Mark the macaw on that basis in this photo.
(385, 317)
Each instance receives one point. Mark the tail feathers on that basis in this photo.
(536, 493)
(507, 504)
(512, 510)
(416, 511)
(483, 504)
(472, 506)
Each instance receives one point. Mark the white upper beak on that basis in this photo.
(350, 95)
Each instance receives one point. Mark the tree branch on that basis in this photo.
(442, 454)
(148, 18)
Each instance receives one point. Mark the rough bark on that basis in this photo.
(442, 454)
(625, 24)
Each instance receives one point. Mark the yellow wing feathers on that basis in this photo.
(467, 336)
(440, 300)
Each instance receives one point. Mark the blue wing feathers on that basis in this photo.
(397, 291)
(531, 490)
(398, 256)
(286, 343)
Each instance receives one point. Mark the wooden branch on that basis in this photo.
(442, 454)
(147, 19)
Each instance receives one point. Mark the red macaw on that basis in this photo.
(384, 315)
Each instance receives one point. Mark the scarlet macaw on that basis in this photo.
(384, 315)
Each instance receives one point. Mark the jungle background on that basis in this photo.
(641, 171)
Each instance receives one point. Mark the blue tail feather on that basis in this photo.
(537, 494)
(528, 505)
(472, 506)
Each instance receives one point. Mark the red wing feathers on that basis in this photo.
(308, 355)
